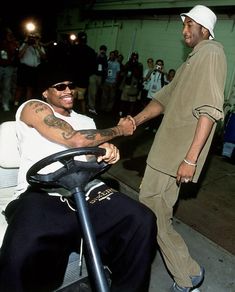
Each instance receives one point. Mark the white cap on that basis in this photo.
(202, 15)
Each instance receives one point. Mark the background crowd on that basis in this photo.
(105, 83)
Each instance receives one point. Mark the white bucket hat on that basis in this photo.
(202, 15)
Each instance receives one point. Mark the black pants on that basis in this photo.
(43, 231)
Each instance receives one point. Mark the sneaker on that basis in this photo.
(92, 111)
(196, 281)
(177, 288)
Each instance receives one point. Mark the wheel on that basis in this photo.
(72, 174)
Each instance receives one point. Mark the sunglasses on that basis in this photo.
(63, 86)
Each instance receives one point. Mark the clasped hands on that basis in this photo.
(127, 125)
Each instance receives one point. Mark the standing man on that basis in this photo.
(192, 105)
(83, 64)
(31, 55)
(8, 64)
(131, 84)
(97, 78)
(110, 84)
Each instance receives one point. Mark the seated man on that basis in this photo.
(43, 228)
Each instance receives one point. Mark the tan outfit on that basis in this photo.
(197, 89)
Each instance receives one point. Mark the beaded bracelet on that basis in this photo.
(189, 162)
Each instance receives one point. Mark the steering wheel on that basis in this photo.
(72, 174)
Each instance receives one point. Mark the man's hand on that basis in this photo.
(185, 173)
(112, 154)
(126, 126)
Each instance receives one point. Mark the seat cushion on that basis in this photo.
(9, 155)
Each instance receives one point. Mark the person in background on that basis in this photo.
(109, 87)
(120, 59)
(43, 228)
(131, 85)
(156, 81)
(120, 76)
(157, 78)
(9, 47)
(31, 54)
(116, 53)
(192, 104)
(83, 64)
(146, 79)
(96, 79)
(170, 75)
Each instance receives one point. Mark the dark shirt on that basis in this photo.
(101, 65)
(9, 53)
(83, 64)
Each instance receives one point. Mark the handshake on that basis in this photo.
(126, 126)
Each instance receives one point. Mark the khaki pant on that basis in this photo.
(79, 93)
(95, 83)
(159, 192)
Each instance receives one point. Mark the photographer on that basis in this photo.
(157, 79)
(31, 54)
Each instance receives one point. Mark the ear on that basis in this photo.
(205, 32)
(44, 94)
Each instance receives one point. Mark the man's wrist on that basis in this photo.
(119, 130)
(190, 162)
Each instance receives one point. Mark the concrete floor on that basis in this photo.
(218, 262)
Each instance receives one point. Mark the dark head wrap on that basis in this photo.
(51, 73)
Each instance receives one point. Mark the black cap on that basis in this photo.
(51, 73)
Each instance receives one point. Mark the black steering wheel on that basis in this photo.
(72, 174)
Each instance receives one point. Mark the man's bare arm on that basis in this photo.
(41, 117)
(153, 109)
(203, 130)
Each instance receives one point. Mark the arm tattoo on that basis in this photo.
(69, 132)
(91, 134)
(54, 122)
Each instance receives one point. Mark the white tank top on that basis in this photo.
(33, 146)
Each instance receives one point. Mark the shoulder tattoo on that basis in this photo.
(37, 106)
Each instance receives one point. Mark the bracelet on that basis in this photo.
(189, 162)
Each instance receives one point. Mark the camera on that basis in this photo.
(31, 41)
